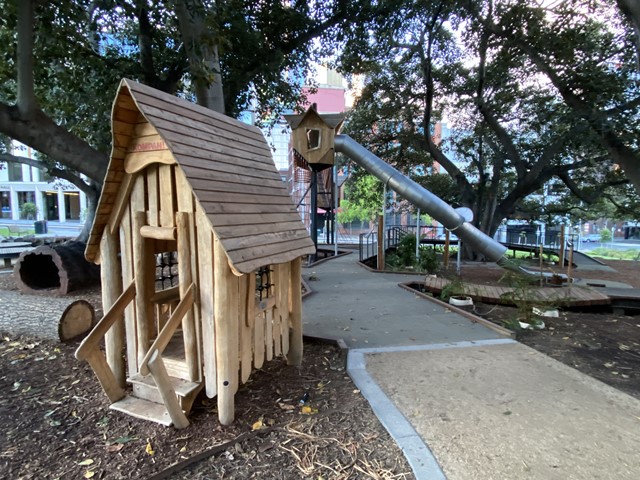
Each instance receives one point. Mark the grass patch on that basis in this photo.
(4, 232)
(612, 254)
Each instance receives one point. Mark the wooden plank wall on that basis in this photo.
(158, 193)
(231, 172)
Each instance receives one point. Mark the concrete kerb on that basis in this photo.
(416, 451)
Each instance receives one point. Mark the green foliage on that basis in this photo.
(454, 288)
(83, 48)
(523, 84)
(605, 235)
(614, 254)
(407, 250)
(28, 210)
(428, 260)
(404, 258)
(363, 197)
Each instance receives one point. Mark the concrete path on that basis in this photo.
(367, 309)
(462, 401)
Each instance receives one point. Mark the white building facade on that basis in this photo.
(56, 200)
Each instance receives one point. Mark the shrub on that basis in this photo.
(428, 261)
(28, 210)
(407, 250)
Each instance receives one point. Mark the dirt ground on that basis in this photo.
(56, 422)
(595, 341)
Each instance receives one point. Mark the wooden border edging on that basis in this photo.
(469, 316)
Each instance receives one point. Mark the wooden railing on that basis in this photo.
(89, 349)
(152, 361)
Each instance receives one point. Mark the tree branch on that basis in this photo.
(26, 99)
(56, 172)
(625, 156)
(43, 134)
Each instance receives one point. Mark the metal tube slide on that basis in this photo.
(424, 199)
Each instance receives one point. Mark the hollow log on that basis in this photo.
(58, 269)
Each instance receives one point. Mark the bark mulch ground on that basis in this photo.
(56, 422)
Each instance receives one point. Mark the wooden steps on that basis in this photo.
(143, 409)
(146, 402)
(145, 387)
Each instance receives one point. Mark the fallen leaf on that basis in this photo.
(88, 461)
(149, 449)
(116, 447)
(89, 474)
(609, 364)
(259, 425)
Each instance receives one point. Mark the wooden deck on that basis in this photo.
(573, 296)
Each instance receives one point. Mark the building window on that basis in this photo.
(5, 203)
(15, 172)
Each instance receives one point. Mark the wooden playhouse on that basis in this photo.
(199, 245)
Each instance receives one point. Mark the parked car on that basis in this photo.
(592, 237)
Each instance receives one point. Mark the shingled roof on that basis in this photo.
(229, 167)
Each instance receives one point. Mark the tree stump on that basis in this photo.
(76, 320)
(57, 269)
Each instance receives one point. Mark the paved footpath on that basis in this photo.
(462, 401)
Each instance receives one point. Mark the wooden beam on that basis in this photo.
(206, 277)
(142, 261)
(121, 203)
(158, 233)
(184, 201)
(105, 375)
(225, 301)
(126, 262)
(294, 357)
(164, 337)
(166, 390)
(111, 279)
(283, 304)
(247, 299)
(92, 341)
(167, 195)
(186, 278)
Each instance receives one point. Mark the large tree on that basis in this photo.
(515, 130)
(63, 61)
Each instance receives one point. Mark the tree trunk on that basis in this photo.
(204, 61)
(92, 204)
